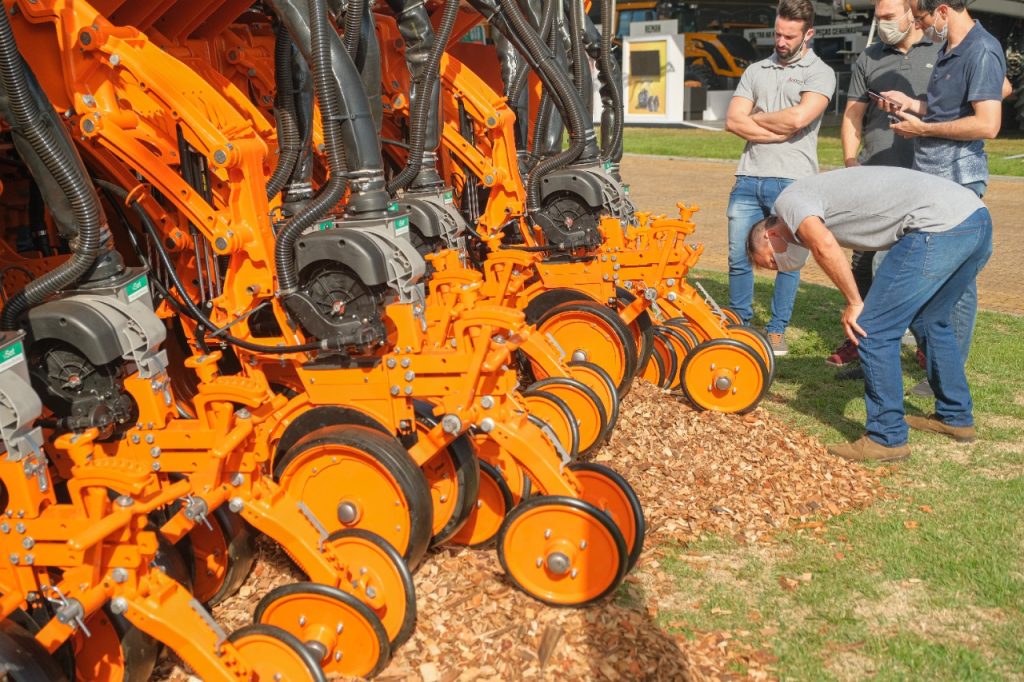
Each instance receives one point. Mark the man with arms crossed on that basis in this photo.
(777, 109)
(939, 237)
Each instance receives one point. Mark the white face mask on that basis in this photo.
(793, 258)
(889, 31)
(934, 35)
(794, 56)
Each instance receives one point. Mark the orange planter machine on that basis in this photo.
(298, 269)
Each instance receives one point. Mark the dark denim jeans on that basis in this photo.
(920, 281)
(751, 200)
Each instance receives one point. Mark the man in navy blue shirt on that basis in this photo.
(962, 108)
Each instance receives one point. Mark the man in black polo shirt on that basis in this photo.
(902, 60)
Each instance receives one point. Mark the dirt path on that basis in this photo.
(657, 183)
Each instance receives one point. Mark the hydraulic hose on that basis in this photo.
(509, 19)
(576, 45)
(352, 27)
(329, 99)
(611, 88)
(289, 139)
(37, 124)
(425, 88)
(190, 307)
(547, 20)
(352, 113)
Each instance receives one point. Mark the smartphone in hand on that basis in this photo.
(885, 102)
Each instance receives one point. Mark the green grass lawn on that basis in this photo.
(708, 144)
(928, 583)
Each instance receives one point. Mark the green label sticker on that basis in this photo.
(449, 198)
(607, 165)
(393, 207)
(401, 225)
(137, 287)
(325, 225)
(11, 355)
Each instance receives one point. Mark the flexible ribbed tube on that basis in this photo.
(40, 128)
(289, 139)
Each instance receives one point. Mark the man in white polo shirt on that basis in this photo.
(777, 109)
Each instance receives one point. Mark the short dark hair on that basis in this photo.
(797, 10)
(757, 231)
(930, 6)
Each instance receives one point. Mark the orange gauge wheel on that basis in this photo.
(600, 382)
(276, 654)
(681, 325)
(584, 405)
(342, 633)
(669, 352)
(642, 329)
(612, 494)
(116, 649)
(655, 372)
(223, 551)
(554, 412)
(453, 475)
(494, 502)
(356, 477)
(587, 330)
(731, 316)
(379, 578)
(562, 551)
(724, 375)
(680, 344)
(756, 340)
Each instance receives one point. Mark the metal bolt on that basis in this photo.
(29, 559)
(572, 574)
(156, 466)
(713, 366)
(243, 413)
(579, 355)
(395, 390)
(88, 100)
(451, 424)
(88, 125)
(408, 390)
(302, 621)
(347, 512)
(371, 592)
(583, 544)
(558, 563)
(28, 543)
(337, 655)
(391, 363)
(154, 452)
(220, 156)
(410, 375)
(723, 383)
(237, 480)
(236, 504)
(118, 605)
(486, 424)
(5, 527)
(149, 439)
(547, 534)
(487, 402)
(405, 363)
(135, 438)
(671, 281)
(14, 558)
(20, 528)
(119, 575)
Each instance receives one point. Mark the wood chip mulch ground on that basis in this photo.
(697, 473)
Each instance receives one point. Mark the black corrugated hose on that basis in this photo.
(429, 82)
(327, 97)
(40, 127)
(612, 151)
(289, 139)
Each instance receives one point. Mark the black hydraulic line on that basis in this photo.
(611, 87)
(579, 69)
(425, 88)
(359, 150)
(352, 26)
(508, 18)
(289, 140)
(190, 307)
(42, 135)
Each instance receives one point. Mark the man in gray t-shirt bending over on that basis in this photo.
(939, 237)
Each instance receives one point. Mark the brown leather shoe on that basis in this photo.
(932, 423)
(866, 450)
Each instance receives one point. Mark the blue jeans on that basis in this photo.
(965, 312)
(920, 281)
(750, 201)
